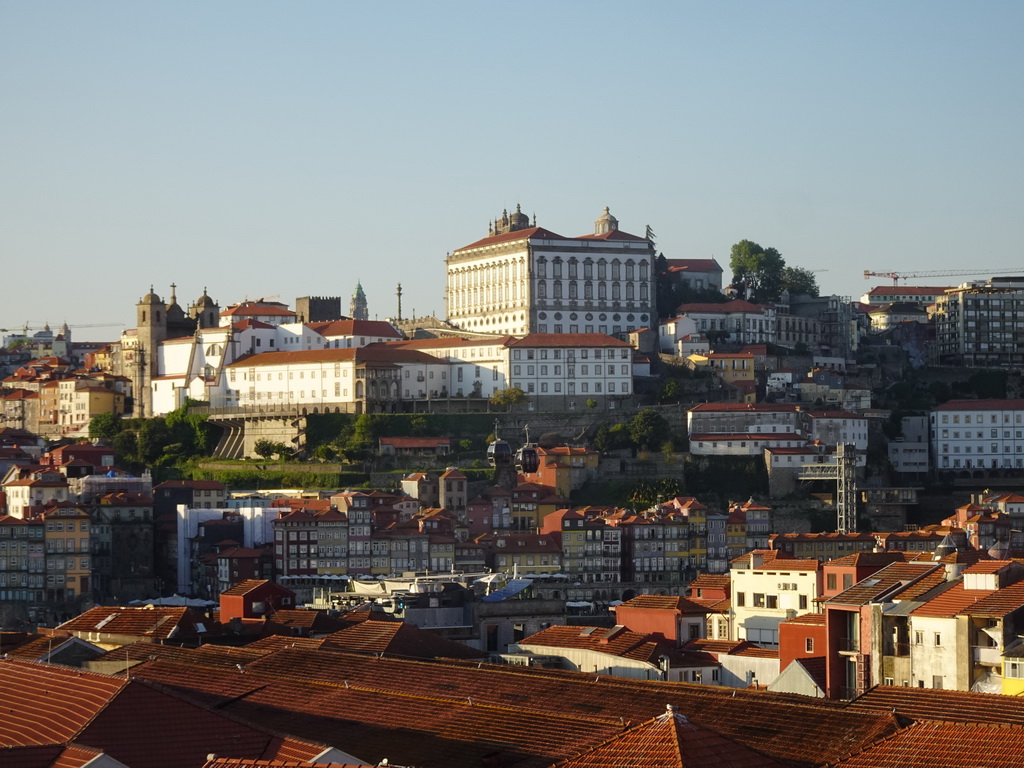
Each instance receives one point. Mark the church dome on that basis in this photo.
(151, 297)
(205, 301)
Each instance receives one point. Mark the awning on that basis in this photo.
(514, 587)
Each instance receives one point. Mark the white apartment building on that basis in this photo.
(477, 367)
(767, 590)
(566, 370)
(526, 279)
(978, 434)
(738, 321)
(674, 330)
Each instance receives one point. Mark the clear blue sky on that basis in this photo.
(294, 147)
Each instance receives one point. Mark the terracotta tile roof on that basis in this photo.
(567, 340)
(155, 622)
(47, 705)
(355, 328)
(48, 756)
(711, 581)
(454, 713)
(245, 587)
(886, 581)
(664, 603)
(951, 602)
(713, 604)
(395, 638)
(233, 762)
(670, 741)
(538, 233)
(869, 559)
(617, 641)
(272, 643)
(999, 603)
(808, 618)
(944, 745)
(257, 309)
(938, 704)
(372, 353)
(614, 234)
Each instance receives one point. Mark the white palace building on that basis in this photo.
(523, 279)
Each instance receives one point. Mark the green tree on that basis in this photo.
(648, 429)
(757, 271)
(508, 398)
(265, 449)
(669, 392)
(104, 426)
(799, 280)
(591, 403)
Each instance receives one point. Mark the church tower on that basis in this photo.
(150, 331)
(357, 308)
(205, 312)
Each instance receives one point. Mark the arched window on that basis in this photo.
(630, 272)
(616, 270)
(542, 267)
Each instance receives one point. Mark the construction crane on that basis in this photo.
(897, 276)
(25, 327)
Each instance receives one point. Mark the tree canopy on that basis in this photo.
(799, 280)
(761, 274)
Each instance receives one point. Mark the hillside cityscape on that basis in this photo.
(667, 481)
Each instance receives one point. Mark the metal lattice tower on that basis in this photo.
(844, 472)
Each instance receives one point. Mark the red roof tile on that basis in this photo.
(944, 745)
(670, 741)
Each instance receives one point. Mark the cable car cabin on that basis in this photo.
(527, 459)
(499, 454)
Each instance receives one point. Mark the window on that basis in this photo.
(741, 599)
(937, 682)
(919, 638)
(803, 602)
(758, 600)
(938, 641)
(809, 645)
(830, 581)
(773, 601)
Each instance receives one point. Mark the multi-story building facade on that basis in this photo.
(524, 279)
(565, 370)
(978, 435)
(737, 321)
(768, 589)
(981, 323)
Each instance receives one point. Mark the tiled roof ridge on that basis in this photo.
(220, 708)
(877, 742)
(404, 693)
(79, 673)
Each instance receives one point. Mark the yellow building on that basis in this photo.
(1013, 671)
(67, 545)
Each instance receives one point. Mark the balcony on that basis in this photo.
(849, 644)
(901, 649)
(989, 656)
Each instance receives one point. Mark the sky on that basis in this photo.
(294, 148)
